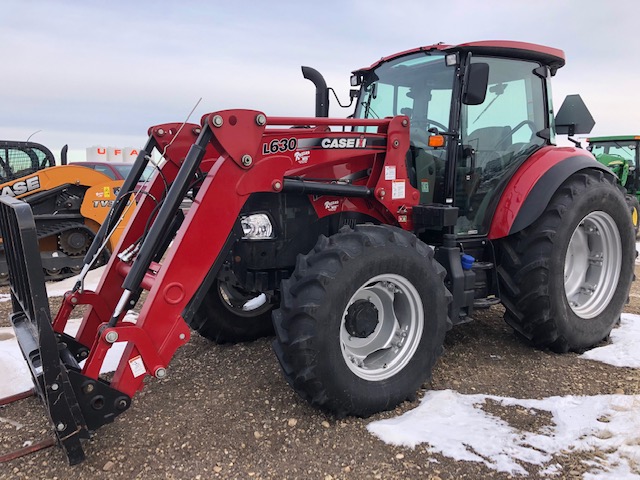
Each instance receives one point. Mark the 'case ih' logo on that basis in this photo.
(343, 143)
(23, 186)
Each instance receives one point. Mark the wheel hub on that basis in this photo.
(361, 319)
(592, 264)
(382, 325)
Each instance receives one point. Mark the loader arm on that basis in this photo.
(174, 257)
(222, 153)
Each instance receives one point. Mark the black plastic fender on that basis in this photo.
(547, 185)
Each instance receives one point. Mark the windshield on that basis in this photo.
(124, 170)
(417, 85)
(625, 150)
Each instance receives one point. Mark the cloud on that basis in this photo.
(117, 68)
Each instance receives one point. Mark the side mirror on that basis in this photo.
(475, 89)
(574, 117)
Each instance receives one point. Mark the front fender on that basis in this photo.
(529, 191)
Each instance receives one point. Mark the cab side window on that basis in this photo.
(496, 135)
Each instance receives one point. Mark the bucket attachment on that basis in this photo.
(75, 404)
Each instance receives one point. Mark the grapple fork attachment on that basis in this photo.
(54, 369)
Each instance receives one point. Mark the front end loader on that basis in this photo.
(358, 242)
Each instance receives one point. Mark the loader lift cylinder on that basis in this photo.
(119, 205)
(163, 221)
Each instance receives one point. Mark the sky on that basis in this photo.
(101, 73)
(455, 425)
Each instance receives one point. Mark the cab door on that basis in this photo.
(496, 136)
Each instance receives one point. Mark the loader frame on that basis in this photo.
(67, 370)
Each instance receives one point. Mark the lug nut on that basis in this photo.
(88, 388)
(55, 386)
(61, 427)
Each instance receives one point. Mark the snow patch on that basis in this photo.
(455, 425)
(58, 289)
(624, 350)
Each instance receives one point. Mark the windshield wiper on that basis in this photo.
(498, 90)
(623, 148)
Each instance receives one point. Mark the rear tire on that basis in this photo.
(565, 279)
(362, 320)
(222, 319)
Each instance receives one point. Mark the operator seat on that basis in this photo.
(486, 141)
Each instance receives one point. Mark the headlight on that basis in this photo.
(257, 226)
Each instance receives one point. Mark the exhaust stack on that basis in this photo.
(322, 92)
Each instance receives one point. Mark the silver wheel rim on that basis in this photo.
(592, 264)
(391, 346)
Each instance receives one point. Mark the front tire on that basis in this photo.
(362, 320)
(565, 279)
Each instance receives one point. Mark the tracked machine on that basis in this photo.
(69, 203)
(358, 241)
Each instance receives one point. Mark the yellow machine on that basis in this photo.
(69, 203)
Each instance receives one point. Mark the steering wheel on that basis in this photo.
(426, 122)
(509, 135)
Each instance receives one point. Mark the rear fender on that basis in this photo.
(529, 191)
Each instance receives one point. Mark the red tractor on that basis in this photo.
(360, 241)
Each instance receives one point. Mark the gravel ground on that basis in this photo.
(226, 412)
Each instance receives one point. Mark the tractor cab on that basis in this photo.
(18, 159)
(477, 113)
(622, 155)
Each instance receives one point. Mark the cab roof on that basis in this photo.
(552, 57)
(615, 138)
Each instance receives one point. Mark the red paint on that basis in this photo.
(522, 183)
(551, 55)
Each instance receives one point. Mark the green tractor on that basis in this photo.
(622, 155)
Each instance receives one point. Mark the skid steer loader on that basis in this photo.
(359, 241)
(69, 204)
